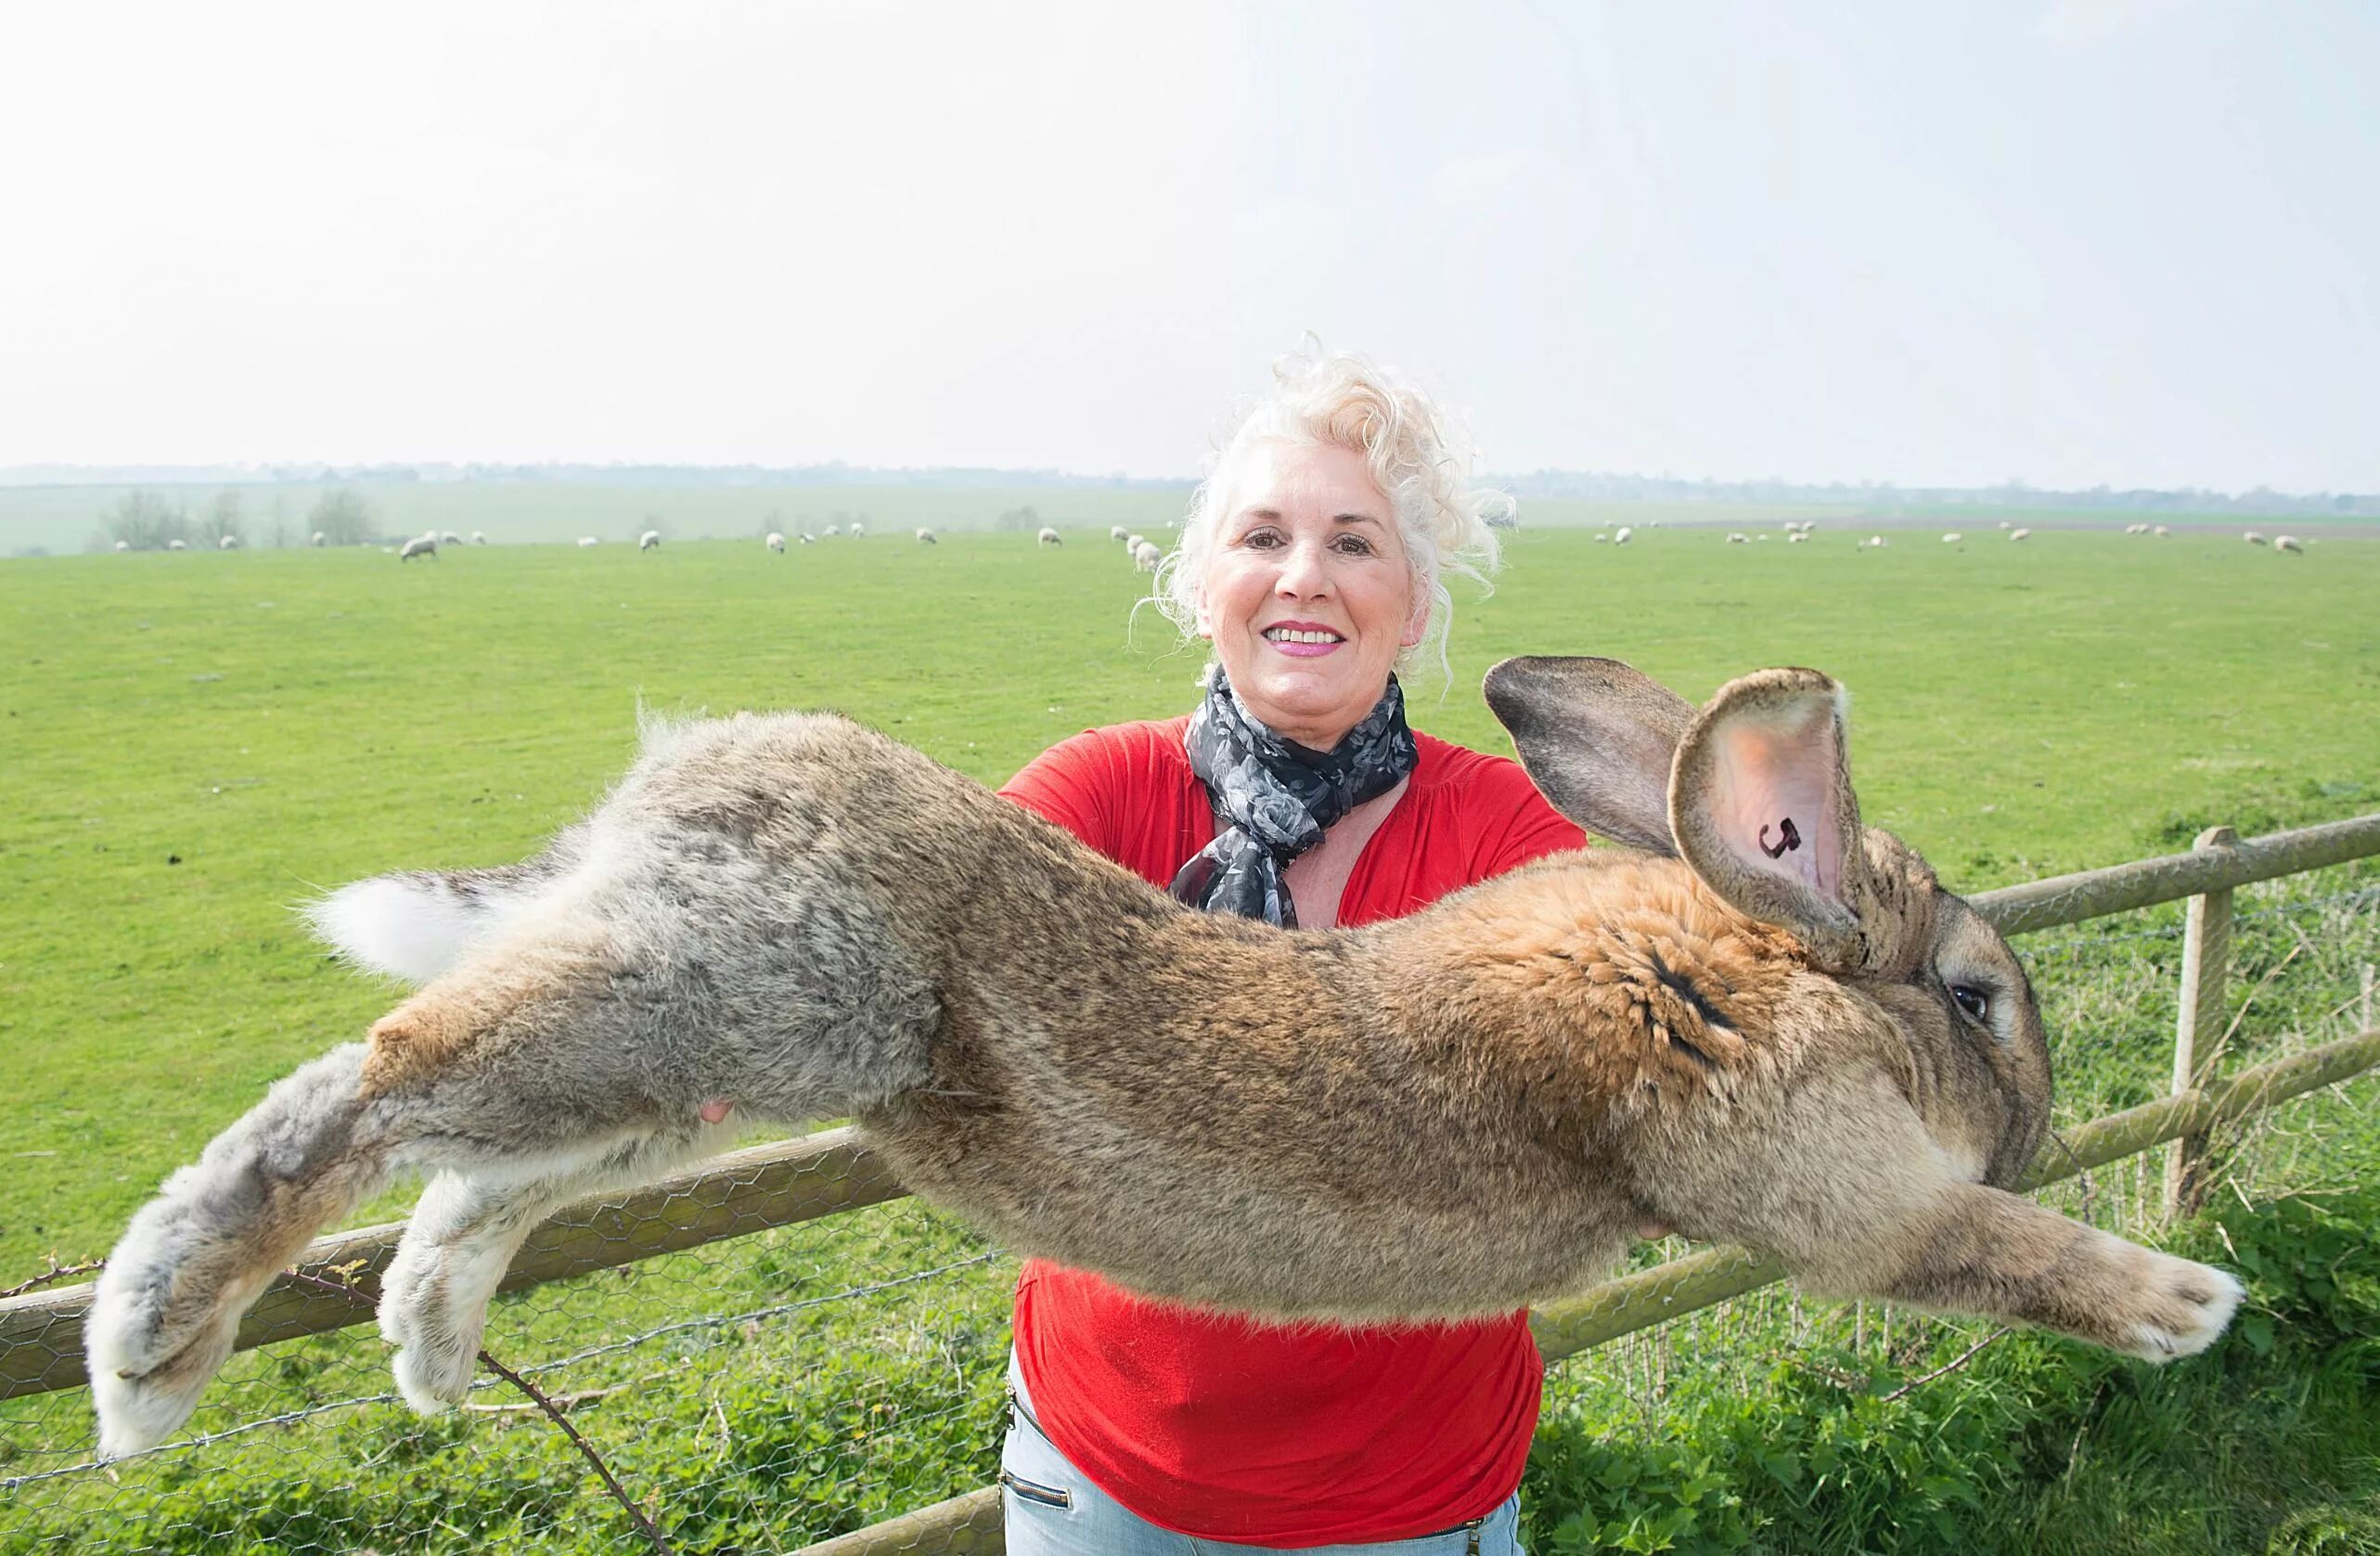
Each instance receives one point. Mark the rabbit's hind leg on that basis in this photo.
(167, 1308)
(461, 1238)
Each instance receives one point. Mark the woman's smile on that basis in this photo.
(1303, 639)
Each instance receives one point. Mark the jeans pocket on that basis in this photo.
(1034, 1491)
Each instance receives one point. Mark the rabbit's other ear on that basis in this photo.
(1761, 804)
(1597, 739)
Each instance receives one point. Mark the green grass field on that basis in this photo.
(191, 744)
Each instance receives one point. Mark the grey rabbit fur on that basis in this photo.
(1759, 1023)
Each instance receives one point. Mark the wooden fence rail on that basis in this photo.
(2069, 899)
(41, 1333)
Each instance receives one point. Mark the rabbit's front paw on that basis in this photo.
(2179, 1307)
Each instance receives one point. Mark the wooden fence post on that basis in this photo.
(2205, 967)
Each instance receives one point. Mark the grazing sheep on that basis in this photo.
(1133, 543)
(448, 537)
(478, 537)
(776, 542)
(124, 546)
(1115, 532)
(808, 539)
(2161, 530)
(1147, 558)
(834, 530)
(1876, 541)
(2018, 535)
(1602, 537)
(1620, 536)
(1739, 538)
(855, 530)
(587, 540)
(2003, 523)
(423, 545)
(648, 541)
(2136, 528)
(2253, 537)
(2288, 543)
(925, 536)
(1797, 537)
(320, 539)
(226, 543)
(1950, 536)
(1048, 536)
(177, 546)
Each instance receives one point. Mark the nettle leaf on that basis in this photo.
(2257, 1329)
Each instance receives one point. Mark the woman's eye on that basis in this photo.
(1260, 540)
(1974, 1001)
(1355, 546)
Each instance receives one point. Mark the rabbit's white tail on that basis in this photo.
(167, 1308)
(418, 924)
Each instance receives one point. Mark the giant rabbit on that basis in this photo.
(1759, 1022)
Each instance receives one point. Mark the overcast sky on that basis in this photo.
(2122, 241)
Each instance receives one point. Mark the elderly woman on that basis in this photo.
(1294, 792)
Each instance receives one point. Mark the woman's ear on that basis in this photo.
(1418, 627)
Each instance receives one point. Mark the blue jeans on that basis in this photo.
(1051, 1509)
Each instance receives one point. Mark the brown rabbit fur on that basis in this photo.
(1798, 1042)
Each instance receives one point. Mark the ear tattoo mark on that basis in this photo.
(1787, 839)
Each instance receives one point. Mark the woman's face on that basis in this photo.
(1308, 593)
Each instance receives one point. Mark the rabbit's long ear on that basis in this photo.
(1761, 804)
(1597, 738)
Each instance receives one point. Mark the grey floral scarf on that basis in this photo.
(1274, 798)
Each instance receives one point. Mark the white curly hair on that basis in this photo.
(1419, 457)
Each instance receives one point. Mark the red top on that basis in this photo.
(1208, 1423)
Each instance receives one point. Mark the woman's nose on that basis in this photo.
(1304, 572)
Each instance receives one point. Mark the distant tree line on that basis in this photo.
(146, 520)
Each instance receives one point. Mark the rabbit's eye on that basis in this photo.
(1974, 1001)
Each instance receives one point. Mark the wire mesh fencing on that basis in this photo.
(760, 1392)
(752, 1385)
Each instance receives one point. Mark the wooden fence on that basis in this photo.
(41, 1334)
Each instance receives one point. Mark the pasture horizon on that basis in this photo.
(63, 518)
